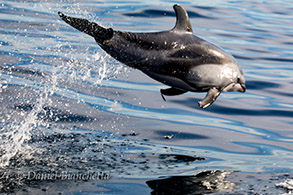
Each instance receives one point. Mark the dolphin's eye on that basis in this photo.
(238, 80)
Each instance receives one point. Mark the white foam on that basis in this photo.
(287, 185)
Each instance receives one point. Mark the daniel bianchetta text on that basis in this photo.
(63, 175)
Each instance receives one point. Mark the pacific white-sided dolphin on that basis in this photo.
(176, 57)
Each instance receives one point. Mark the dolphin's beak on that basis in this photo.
(243, 87)
(240, 87)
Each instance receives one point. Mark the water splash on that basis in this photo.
(287, 185)
(93, 70)
(15, 135)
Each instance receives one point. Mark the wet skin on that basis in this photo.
(176, 57)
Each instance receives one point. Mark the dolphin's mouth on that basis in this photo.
(240, 87)
(243, 87)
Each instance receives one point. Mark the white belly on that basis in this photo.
(171, 81)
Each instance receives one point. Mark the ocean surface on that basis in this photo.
(75, 121)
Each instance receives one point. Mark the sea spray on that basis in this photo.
(14, 135)
(92, 70)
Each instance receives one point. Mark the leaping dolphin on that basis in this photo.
(175, 57)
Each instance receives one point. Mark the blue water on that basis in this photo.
(68, 106)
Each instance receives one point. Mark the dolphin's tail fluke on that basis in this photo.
(99, 33)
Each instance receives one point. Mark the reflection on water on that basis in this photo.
(202, 183)
(67, 106)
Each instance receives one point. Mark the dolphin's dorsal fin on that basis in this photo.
(182, 19)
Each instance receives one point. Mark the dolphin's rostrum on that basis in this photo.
(176, 57)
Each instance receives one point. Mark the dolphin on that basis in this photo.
(176, 57)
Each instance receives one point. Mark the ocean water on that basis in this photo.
(74, 120)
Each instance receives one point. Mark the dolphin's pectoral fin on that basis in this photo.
(93, 29)
(171, 91)
(211, 96)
